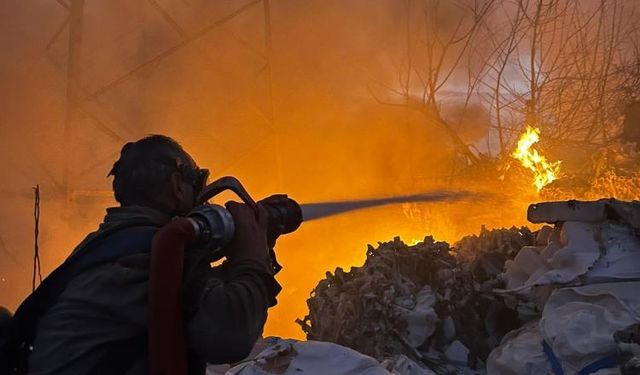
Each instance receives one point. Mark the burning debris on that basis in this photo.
(423, 301)
(544, 172)
(611, 171)
(453, 309)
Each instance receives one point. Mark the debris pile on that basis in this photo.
(430, 302)
(505, 301)
(584, 281)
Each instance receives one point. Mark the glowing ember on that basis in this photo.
(414, 241)
(544, 172)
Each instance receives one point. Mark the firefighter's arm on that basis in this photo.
(231, 311)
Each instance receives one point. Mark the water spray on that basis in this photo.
(313, 211)
(285, 215)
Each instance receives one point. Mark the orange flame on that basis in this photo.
(544, 172)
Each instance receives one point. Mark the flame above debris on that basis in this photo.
(544, 172)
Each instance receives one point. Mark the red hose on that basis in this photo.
(167, 348)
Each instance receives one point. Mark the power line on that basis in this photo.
(172, 50)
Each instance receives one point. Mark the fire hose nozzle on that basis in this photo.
(284, 215)
(215, 227)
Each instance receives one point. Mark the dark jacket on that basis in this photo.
(101, 315)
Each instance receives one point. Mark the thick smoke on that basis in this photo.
(306, 125)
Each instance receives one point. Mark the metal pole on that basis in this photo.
(269, 72)
(407, 114)
(73, 62)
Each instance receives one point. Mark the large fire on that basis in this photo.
(544, 172)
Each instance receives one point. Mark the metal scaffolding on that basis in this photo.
(78, 98)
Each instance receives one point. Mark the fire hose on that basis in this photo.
(285, 215)
(212, 226)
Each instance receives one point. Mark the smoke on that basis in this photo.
(306, 125)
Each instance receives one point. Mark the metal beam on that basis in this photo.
(269, 73)
(73, 62)
(55, 36)
(167, 17)
(171, 50)
(63, 4)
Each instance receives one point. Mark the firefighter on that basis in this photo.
(94, 318)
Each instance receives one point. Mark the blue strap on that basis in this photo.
(124, 242)
(601, 364)
(606, 362)
(556, 367)
(109, 248)
(117, 245)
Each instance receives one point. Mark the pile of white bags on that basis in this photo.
(590, 271)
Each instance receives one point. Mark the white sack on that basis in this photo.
(291, 357)
(578, 323)
(597, 251)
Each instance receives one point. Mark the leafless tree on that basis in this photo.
(554, 66)
(441, 40)
(564, 66)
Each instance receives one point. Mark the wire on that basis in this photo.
(36, 252)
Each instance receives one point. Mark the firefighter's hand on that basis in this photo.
(250, 237)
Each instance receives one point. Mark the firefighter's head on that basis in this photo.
(157, 172)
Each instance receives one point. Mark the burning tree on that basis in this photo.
(567, 68)
(557, 65)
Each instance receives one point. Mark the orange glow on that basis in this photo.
(414, 241)
(307, 126)
(544, 172)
